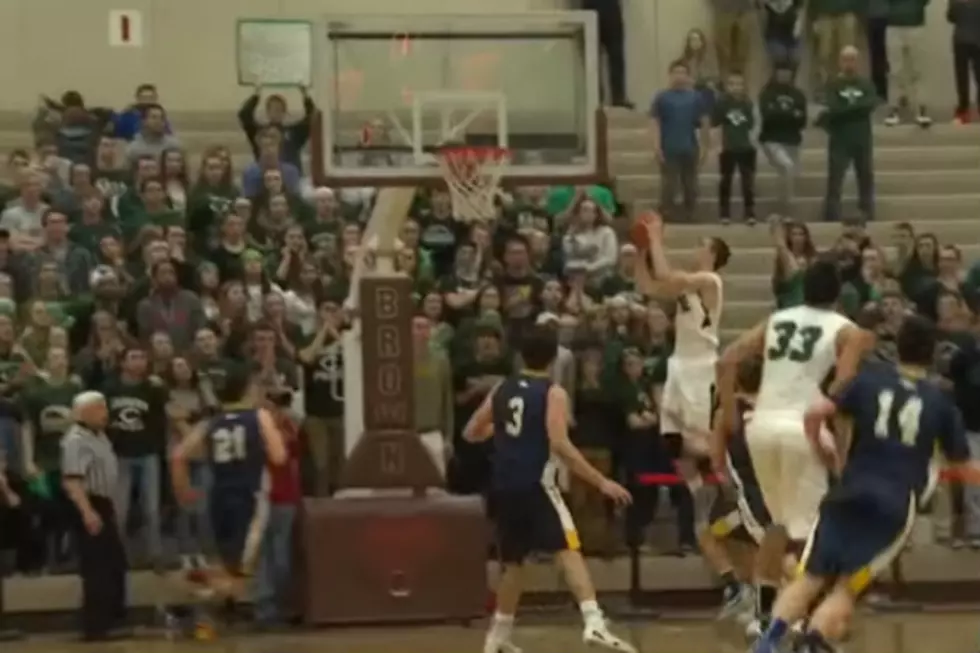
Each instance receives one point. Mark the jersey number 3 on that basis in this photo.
(229, 444)
(515, 421)
(794, 342)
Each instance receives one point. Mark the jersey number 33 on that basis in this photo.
(793, 342)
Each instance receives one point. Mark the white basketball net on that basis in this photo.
(473, 176)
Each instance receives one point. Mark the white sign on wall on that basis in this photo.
(275, 53)
(125, 28)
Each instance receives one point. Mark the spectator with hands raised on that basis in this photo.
(294, 136)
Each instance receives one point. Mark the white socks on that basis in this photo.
(592, 614)
(501, 627)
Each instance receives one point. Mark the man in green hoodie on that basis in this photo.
(906, 30)
(851, 101)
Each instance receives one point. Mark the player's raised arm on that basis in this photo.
(561, 446)
(480, 426)
(749, 344)
(853, 344)
(272, 438)
(678, 281)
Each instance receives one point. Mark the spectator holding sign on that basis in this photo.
(294, 135)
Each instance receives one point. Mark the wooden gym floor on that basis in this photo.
(920, 632)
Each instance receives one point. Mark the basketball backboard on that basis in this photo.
(393, 89)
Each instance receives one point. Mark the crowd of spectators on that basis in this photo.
(693, 106)
(122, 271)
(708, 89)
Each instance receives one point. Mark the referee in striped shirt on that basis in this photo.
(89, 470)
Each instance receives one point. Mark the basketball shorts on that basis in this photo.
(747, 498)
(850, 541)
(725, 521)
(790, 477)
(689, 394)
(531, 520)
(238, 520)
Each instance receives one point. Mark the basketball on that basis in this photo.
(639, 235)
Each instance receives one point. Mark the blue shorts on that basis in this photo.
(238, 519)
(532, 520)
(851, 542)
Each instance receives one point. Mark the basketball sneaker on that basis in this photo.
(599, 635)
(814, 643)
(502, 646)
(736, 601)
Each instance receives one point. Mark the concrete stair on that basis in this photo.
(930, 178)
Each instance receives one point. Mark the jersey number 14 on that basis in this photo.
(906, 415)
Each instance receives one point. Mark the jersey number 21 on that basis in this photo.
(229, 444)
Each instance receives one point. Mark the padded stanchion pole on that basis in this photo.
(635, 581)
(635, 608)
(6, 634)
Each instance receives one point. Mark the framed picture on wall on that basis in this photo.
(274, 52)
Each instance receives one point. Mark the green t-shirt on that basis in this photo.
(205, 207)
(323, 380)
(853, 297)
(48, 408)
(736, 118)
(90, 236)
(10, 364)
(915, 279)
(133, 222)
(789, 291)
(115, 184)
(636, 397)
(616, 284)
(216, 371)
(129, 203)
(8, 307)
(137, 418)
(323, 235)
(655, 363)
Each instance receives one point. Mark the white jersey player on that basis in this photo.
(688, 396)
(801, 348)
